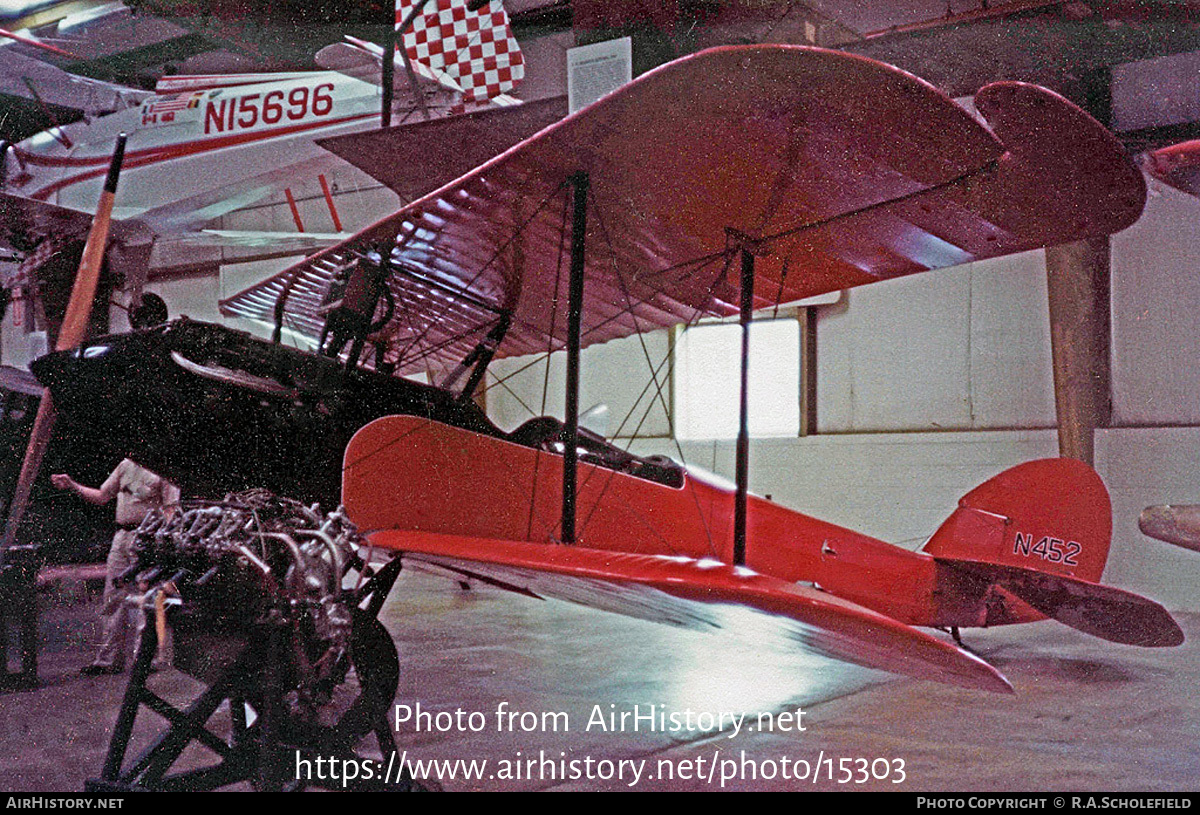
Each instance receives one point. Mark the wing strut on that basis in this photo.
(482, 355)
(388, 65)
(579, 186)
(743, 439)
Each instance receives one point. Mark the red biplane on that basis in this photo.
(732, 180)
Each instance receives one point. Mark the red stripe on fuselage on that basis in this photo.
(154, 155)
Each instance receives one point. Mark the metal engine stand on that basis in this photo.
(260, 614)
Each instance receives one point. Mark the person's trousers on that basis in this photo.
(122, 617)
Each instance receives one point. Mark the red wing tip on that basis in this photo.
(998, 683)
(979, 675)
(1005, 688)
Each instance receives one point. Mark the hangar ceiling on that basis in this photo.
(956, 44)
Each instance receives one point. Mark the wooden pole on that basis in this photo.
(70, 335)
(1077, 276)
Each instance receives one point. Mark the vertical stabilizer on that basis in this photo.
(1052, 515)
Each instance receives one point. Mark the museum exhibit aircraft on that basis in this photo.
(1177, 165)
(732, 180)
(1178, 524)
(203, 146)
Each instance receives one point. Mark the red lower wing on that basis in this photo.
(687, 592)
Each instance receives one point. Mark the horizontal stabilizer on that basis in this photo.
(1177, 165)
(1102, 611)
(364, 60)
(350, 59)
(686, 592)
(30, 78)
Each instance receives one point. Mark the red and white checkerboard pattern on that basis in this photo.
(475, 48)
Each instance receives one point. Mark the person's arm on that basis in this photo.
(93, 495)
(171, 498)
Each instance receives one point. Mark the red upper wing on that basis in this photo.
(840, 170)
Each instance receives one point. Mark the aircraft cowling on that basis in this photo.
(217, 410)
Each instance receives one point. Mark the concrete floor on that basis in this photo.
(1087, 715)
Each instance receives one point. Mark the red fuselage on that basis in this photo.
(430, 477)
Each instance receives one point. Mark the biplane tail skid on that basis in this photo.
(1032, 543)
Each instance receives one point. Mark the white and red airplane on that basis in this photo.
(202, 146)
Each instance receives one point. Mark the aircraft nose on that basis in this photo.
(53, 368)
(1179, 525)
(63, 371)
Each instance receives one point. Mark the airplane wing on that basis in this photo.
(477, 137)
(38, 217)
(181, 222)
(688, 593)
(19, 214)
(837, 169)
(291, 242)
(30, 78)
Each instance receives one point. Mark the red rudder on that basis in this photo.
(1051, 515)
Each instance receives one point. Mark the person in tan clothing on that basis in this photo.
(137, 491)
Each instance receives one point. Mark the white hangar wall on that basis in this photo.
(1143, 467)
(957, 349)
(931, 384)
(1156, 313)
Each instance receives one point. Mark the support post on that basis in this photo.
(389, 74)
(579, 185)
(1077, 275)
(70, 334)
(808, 370)
(743, 439)
(134, 689)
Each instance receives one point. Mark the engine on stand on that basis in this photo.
(271, 606)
